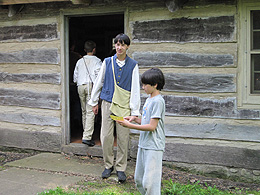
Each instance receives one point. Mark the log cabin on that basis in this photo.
(208, 50)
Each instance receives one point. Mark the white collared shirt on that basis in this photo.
(83, 75)
(135, 88)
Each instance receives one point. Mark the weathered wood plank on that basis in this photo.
(214, 155)
(44, 141)
(206, 154)
(213, 29)
(8, 2)
(213, 83)
(29, 99)
(24, 118)
(210, 2)
(214, 131)
(175, 59)
(37, 32)
(47, 56)
(205, 107)
(53, 78)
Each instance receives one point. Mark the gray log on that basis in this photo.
(53, 78)
(47, 56)
(212, 29)
(10, 97)
(36, 32)
(175, 59)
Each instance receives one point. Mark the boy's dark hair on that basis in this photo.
(122, 38)
(89, 46)
(152, 77)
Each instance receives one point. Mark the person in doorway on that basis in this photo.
(151, 145)
(125, 72)
(85, 73)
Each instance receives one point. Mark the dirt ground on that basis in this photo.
(8, 155)
(186, 177)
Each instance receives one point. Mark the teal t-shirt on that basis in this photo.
(153, 108)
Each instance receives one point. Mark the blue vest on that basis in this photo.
(123, 77)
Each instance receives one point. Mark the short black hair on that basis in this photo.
(152, 77)
(89, 46)
(122, 38)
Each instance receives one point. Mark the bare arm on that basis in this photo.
(148, 127)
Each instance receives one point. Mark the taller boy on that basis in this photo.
(127, 77)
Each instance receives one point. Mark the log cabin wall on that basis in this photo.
(30, 78)
(197, 48)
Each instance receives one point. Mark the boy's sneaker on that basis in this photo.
(88, 142)
(107, 172)
(121, 176)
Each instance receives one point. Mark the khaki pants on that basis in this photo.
(107, 140)
(88, 116)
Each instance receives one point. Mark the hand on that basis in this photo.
(123, 123)
(95, 109)
(131, 118)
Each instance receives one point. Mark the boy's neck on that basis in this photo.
(121, 57)
(155, 93)
(90, 53)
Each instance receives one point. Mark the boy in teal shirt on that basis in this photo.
(151, 145)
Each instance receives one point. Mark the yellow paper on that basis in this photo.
(117, 118)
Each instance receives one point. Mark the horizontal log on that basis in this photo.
(44, 141)
(212, 83)
(206, 107)
(174, 59)
(206, 154)
(29, 99)
(214, 131)
(46, 56)
(24, 118)
(210, 2)
(194, 106)
(37, 32)
(211, 131)
(212, 29)
(53, 78)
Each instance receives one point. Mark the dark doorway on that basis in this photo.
(101, 29)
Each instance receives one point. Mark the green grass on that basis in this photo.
(168, 188)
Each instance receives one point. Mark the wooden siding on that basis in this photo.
(208, 154)
(8, 2)
(212, 29)
(219, 131)
(44, 56)
(207, 107)
(40, 31)
(198, 83)
(29, 99)
(192, 106)
(175, 59)
(47, 141)
(36, 78)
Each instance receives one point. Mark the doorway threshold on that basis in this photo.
(82, 149)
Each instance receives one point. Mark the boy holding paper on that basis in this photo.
(152, 136)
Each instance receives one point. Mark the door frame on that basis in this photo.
(65, 102)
